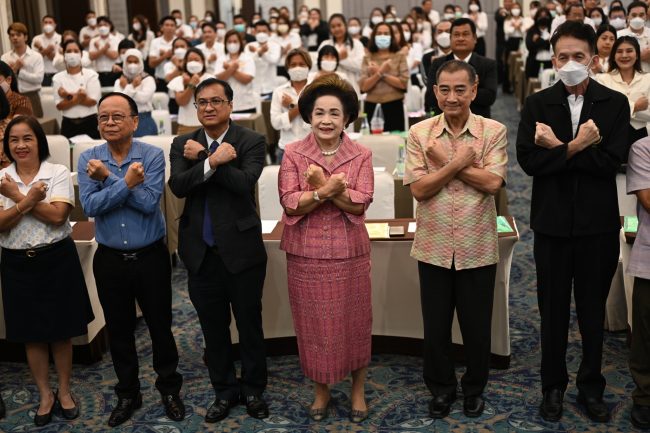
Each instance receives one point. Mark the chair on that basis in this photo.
(548, 78)
(163, 121)
(49, 108)
(59, 150)
(626, 202)
(383, 204)
(165, 143)
(412, 99)
(79, 148)
(270, 207)
(384, 148)
(160, 101)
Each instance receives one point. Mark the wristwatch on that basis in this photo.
(203, 154)
(316, 197)
(292, 106)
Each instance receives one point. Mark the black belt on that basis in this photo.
(79, 120)
(33, 252)
(132, 255)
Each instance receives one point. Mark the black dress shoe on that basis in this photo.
(256, 406)
(440, 405)
(124, 410)
(473, 406)
(640, 416)
(218, 410)
(2, 408)
(551, 407)
(72, 413)
(174, 407)
(595, 407)
(41, 420)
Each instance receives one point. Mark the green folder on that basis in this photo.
(630, 224)
(503, 226)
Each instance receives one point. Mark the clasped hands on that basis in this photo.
(134, 175)
(9, 189)
(588, 134)
(329, 188)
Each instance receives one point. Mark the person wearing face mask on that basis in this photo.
(210, 17)
(183, 86)
(196, 30)
(413, 53)
(384, 77)
(182, 30)
(500, 17)
(174, 67)
(314, 31)
(288, 41)
(354, 30)
(210, 47)
(103, 51)
(221, 32)
(141, 35)
(538, 43)
(529, 20)
(59, 61)
(140, 87)
(18, 104)
(573, 11)
(48, 45)
(513, 28)
(125, 44)
(76, 92)
(432, 14)
(88, 31)
(161, 51)
(617, 17)
(327, 63)
(476, 14)
(266, 53)
(599, 17)
(442, 32)
(376, 17)
(572, 139)
(285, 116)
(637, 14)
(237, 67)
(240, 25)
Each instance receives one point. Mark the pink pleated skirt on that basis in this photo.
(332, 314)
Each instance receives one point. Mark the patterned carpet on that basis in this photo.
(395, 391)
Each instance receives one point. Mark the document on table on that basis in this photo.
(268, 226)
(378, 230)
(412, 227)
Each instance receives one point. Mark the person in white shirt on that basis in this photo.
(432, 14)
(376, 17)
(285, 116)
(183, 90)
(182, 30)
(103, 50)
(76, 92)
(626, 76)
(221, 32)
(414, 55)
(141, 35)
(174, 67)
(89, 31)
(354, 30)
(476, 14)
(210, 47)
(238, 69)
(196, 29)
(617, 17)
(351, 51)
(27, 64)
(140, 86)
(605, 38)
(637, 13)
(287, 41)
(574, 12)
(161, 51)
(266, 53)
(47, 44)
(59, 61)
(327, 63)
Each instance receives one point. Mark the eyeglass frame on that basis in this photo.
(112, 116)
(211, 102)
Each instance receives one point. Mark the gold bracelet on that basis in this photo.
(18, 209)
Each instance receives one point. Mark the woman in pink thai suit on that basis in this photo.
(326, 184)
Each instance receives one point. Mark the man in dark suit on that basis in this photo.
(463, 41)
(215, 169)
(572, 138)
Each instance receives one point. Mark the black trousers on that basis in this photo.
(120, 283)
(84, 125)
(213, 292)
(393, 114)
(587, 264)
(471, 293)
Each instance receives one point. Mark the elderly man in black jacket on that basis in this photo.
(572, 138)
(463, 41)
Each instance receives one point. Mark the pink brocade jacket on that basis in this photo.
(327, 232)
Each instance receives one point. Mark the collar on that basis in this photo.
(308, 147)
(466, 59)
(45, 172)
(218, 139)
(472, 126)
(557, 94)
(135, 152)
(617, 78)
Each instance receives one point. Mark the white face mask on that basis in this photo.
(137, 26)
(618, 23)
(233, 48)
(354, 30)
(637, 23)
(597, 21)
(194, 67)
(104, 30)
(516, 12)
(449, 16)
(179, 53)
(178, 22)
(48, 28)
(376, 19)
(533, 11)
(443, 40)
(262, 37)
(283, 28)
(72, 59)
(92, 22)
(573, 73)
(328, 65)
(407, 36)
(208, 19)
(274, 27)
(133, 69)
(299, 73)
(473, 8)
(221, 33)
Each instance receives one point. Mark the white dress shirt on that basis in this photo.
(482, 24)
(217, 49)
(59, 61)
(351, 65)
(104, 63)
(638, 87)
(562, 18)
(290, 131)
(266, 66)
(154, 51)
(575, 107)
(244, 94)
(207, 170)
(186, 113)
(142, 94)
(86, 79)
(87, 31)
(31, 74)
(147, 43)
(45, 42)
(290, 39)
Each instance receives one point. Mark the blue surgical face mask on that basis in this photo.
(241, 28)
(382, 41)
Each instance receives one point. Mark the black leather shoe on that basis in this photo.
(473, 406)
(256, 406)
(174, 407)
(41, 420)
(440, 405)
(218, 410)
(124, 410)
(640, 416)
(551, 407)
(595, 407)
(72, 413)
(2, 408)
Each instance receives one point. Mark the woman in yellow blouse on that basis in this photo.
(384, 76)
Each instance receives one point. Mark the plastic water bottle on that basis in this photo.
(161, 127)
(365, 127)
(377, 122)
(399, 166)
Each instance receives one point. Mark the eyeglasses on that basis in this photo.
(117, 118)
(446, 91)
(214, 102)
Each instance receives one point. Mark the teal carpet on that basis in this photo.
(395, 391)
